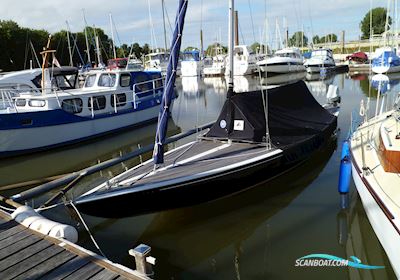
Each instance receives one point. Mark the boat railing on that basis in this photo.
(144, 89)
(7, 101)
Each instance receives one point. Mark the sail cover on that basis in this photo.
(294, 115)
(158, 153)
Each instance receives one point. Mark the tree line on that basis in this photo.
(20, 45)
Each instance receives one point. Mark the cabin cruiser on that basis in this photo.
(215, 66)
(385, 60)
(57, 113)
(191, 64)
(244, 61)
(320, 59)
(284, 61)
(156, 61)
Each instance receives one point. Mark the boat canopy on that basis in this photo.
(294, 115)
(358, 56)
(193, 55)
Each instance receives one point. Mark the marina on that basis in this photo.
(250, 161)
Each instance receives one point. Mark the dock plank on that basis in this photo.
(24, 254)
(105, 275)
(30, 262)
(11, 231)
(48, 265)
(18, 246)
(85, 272)
(66, 269)
(8, 225)
(14, 238)
(27, 254)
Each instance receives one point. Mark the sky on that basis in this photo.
(132, 18)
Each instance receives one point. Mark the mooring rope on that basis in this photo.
(87, 229)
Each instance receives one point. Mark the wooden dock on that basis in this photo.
(27, 254)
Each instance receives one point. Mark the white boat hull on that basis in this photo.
(282, 69)
(385, 69)
(384, 229)
(25, 140)
(190, 68)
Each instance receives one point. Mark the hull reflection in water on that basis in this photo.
(46, 164)
(213, 234)
(357, 238)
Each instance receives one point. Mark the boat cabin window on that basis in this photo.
(20, 102)
(37, 103)
(125, 80)
(120, 98)
(99, 103)
(73, 105)
(64, 82)
(107, 80)
(90, 80)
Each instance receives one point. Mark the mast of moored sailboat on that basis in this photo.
(231, 46)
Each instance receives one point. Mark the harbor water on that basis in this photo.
(260, 233)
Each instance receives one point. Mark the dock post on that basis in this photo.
(144, 262)
(343, 41)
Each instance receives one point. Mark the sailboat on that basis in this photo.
(257, 136)
(375, 158)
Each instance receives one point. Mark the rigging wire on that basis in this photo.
(252, 21)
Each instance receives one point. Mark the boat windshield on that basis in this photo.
(192, 56)
(292, 55)
(321, 53)
(136, 66)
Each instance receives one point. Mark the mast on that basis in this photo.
(112, 37)
(86, 38)
(69, 47)
(98, 51)
(163, 116)
(230, 46)
(165, 31)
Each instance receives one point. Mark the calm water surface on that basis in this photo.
(257, 234)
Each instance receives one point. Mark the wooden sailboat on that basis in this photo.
(258, 136)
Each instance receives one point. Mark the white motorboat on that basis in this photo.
(216, 65)
(321, 59)
(245, 61)
(191, 64)
(284, 61)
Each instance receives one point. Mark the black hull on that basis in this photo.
(206, 188)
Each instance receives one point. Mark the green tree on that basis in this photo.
(315, 39)
(190, 49)
(378, 22)
(296, 39)
(329, 38)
